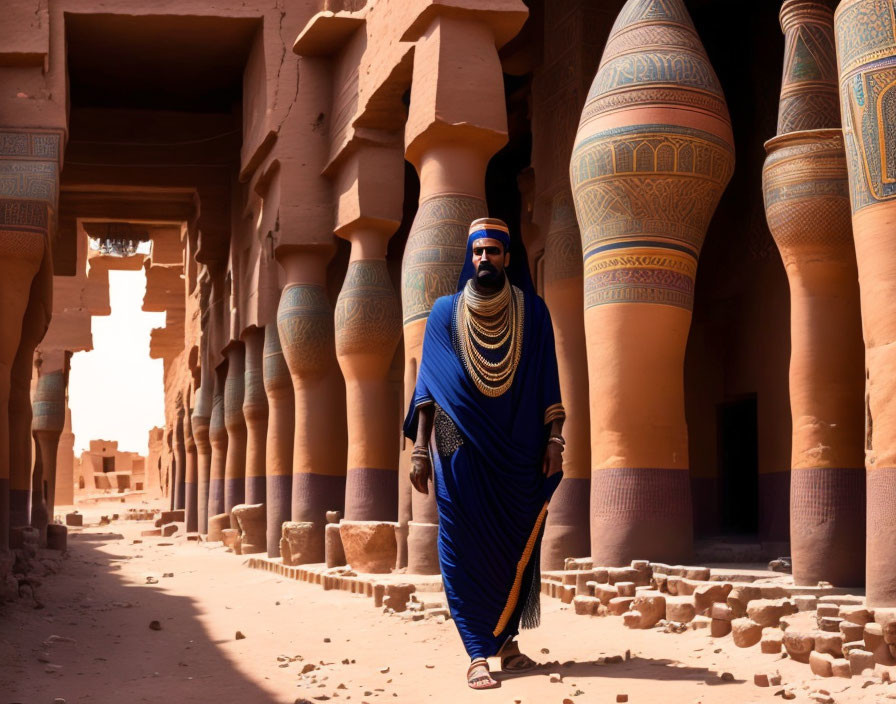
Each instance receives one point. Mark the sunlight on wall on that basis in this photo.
(116, 391)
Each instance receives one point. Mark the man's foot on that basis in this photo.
(478, 676)
(512, 660)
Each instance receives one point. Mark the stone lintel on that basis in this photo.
(326, 33)
(505, 18)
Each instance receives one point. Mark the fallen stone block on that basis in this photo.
(605, 592)
(851, 631)
(718, 628)
(74, 519)
(585, 605)
(722, 612)
(169, 529)
(798, 645)
(300, 543)
(619, 605)
(625, 588)
(216, 524)
(830, 624)
(739, 597)
(860, 660)
(805, 602)
(821, 664)
(370, 546)
(840, 668)
(831, 643)
(650, 609)
(680, 608)
(706, 595)
(856, 614)
(745, 632)
(397, 596)
(251, 521)
(772, 640)
(768, 612)
(334, 550)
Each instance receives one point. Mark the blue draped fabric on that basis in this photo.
(489, 485)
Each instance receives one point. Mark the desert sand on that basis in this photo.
(92, 641)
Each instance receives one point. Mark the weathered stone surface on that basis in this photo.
(625, 588)
(856, 614)
(57, 537)
(74, 519)
(397, 596)
(821, 664)
(706, 595)
(718, 628)
(745, 632)
(772, 640)
(334, 550)
(740, 596)
(680, 608)
(831, 643)
(231, 539)
(851, 631)
(721, 611)
(805, 602)
(369, 546)
(830, 624)
(860, 660)
(299, 542)
(650, 608)
(605, 592)
(768, 612)
(840, 668)
(798, 645)
(619, 605)
(585, 605)
(216, 524)
(251, 520)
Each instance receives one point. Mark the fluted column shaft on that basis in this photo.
(235, 424)
(255, 412)
(866, 52)
(279, 441)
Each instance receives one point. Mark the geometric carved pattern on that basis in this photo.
(563, 244)
(368, 314)
(809, 85)
(866, 32)
(435, 251)
(29, 182)
(305, 324)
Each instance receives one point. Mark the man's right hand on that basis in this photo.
(421, 471)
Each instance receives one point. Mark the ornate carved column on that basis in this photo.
(217, 435)
(235, 423)
(653, 153)
(807, 204)
(180, 455)
(29, 168)
(279, 445)
(202, 410)
(368, 328)
(866, 54)
(255, 412)
(457, 121)
(46, 427)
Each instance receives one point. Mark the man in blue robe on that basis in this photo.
(488, 386)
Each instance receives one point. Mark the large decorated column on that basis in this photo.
(653, 153)
(202, 409)
(235, 424)
(46, 427)
(279, 441)
(457, 121)
(29, 169)
(368, 329)
(866, 54)
(255, 413)
(807, 204)
(180, 455)
(305, 313)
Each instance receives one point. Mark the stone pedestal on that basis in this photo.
(216, 525)
(369, 545)
(250, 519)
(302, 543)
(279, 441)
(423, 548)
(654, 152)
(334, 551)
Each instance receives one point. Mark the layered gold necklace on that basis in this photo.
(491, 323)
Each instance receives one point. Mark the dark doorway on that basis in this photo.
(108, 464)
(739, 466)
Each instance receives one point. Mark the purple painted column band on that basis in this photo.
(566, 527)
(328, 493)
(827, 526)
(372, 493)
(639, 512)
(279, 498)
(255, 490)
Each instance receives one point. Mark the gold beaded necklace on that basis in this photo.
(492, 323)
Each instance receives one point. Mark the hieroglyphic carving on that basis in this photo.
(305, 323)
(234, 390)
(276, 371)
(368, 314)
(809, 84)
(48, 406)
(869, 125)
(435, 251)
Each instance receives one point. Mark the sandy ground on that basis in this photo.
(101, 600)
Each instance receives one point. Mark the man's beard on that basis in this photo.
(488, 277)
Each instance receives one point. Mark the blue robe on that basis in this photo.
(488, 478)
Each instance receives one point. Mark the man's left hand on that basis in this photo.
(553, 459)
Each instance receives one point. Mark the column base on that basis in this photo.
(252, 523)
(369, 546)
(641, 514)
(217, 524)
(423, 548)
(566, 527)
(278, 490)
(401, 543)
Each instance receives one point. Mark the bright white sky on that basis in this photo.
(116, 391)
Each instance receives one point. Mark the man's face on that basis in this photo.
(489, 261)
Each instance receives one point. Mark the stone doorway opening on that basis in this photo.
(739, 467)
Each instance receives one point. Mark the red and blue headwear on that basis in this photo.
(492, 228)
